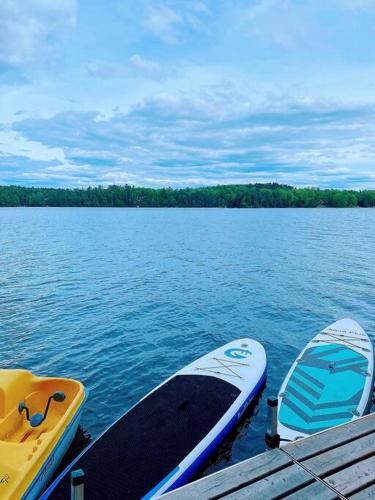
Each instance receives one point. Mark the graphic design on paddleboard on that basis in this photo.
(329, 384)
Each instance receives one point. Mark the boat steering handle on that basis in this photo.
(36, 419)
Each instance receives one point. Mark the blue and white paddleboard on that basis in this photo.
(164, 439)
(329, 384)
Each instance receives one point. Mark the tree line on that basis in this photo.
(230, 196)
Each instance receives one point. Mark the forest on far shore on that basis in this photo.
(271, 195)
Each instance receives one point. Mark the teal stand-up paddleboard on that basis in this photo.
(329, 384)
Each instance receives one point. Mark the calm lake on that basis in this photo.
(122, 298)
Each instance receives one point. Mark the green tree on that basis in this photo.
(236, 195)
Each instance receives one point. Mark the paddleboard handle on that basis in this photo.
(272, 437)
(77, 484)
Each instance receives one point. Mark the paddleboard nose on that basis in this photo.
(347, 324)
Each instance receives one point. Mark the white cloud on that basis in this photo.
(291, 24)
(282, 22)
(13, 143)
(28, 28)
(138, 64)
(105, 70)
(162, 21)
(146, 67)
(180, 141)
(172, 23)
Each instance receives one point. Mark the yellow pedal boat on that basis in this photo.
(39, 417)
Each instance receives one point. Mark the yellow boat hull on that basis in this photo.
(30, 454)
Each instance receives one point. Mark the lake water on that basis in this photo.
(123, 298)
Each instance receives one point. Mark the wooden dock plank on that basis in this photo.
(332, 460)
(335, 459)
(357, 477)
(364, 494)
(279, 484)
(315, 490)
(234, 477)
(339, 457)
(354, 478)
(343, 456)
(331, 438)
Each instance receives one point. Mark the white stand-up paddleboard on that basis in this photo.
(163, 440)
(330, 383)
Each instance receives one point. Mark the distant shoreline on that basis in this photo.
(185, 208)
(270, 195)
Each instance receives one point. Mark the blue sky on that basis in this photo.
(196, 92)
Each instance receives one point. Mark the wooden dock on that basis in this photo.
(337, 463)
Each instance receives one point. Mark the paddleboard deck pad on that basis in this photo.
(164, 439)
(329, 384)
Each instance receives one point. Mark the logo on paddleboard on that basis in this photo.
(237, 353)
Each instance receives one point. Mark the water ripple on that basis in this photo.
(122, 298)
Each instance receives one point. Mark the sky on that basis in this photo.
(187, 92)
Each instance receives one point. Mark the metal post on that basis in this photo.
(272, 437)
(77, 484)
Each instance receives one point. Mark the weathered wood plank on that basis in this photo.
(343, 455)
(236, 476)
(354, 478)
(364, 494)
(315, 490)
(330, 438)
(334, 459)
(275, 485)
(340, 456)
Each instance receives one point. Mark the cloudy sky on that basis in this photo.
(187, 92)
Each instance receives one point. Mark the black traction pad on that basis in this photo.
(151, 439)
